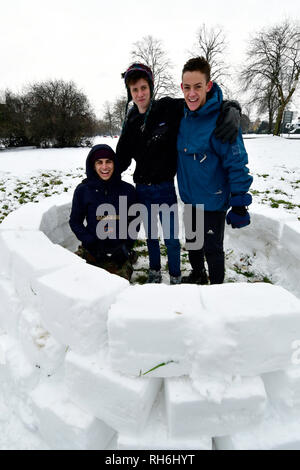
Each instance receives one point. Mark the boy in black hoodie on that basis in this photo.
(103, 185)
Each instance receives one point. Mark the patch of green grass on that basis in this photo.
(156, 367)
(163, 250)
(143, 253)
(141, 279)
(263, 176)
(139, 243)
(279, 191)
(267, 280)
(55, 182)
(287, 204)
(238, 270)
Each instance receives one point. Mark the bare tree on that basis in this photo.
(119, 108)
(212, 44)
(273, 67)
(109, 118)
(150, 51)
(264, 98)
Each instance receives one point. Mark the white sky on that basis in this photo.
(90, 41)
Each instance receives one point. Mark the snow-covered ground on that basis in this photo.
(274, 162)
(30, 175)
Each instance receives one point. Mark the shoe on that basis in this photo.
(154, 277)
(175, 280)
(196, 278)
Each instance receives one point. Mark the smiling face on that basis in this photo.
(104, 168)
(195, 87)
(140, 92)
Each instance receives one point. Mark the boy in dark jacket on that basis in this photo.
(149, 137)
(103, 185)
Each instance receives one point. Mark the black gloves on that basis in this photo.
(228, 122)
(120, 255)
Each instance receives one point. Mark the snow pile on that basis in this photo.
(86, 360)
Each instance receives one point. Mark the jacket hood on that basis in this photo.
(91, 174)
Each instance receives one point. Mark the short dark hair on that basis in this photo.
(197, 64)
(135, 76)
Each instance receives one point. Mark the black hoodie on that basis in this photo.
(152, 144)
(89, 195)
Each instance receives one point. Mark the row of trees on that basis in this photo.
(270, 74)
(52, 113)
(56, 113)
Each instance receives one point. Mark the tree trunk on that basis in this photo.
(270, 122)
(279, 119)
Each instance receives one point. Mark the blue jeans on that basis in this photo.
(162, 193)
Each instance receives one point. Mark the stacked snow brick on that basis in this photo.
(273, 238)
(89, 362)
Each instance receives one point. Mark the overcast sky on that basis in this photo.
(89, 41)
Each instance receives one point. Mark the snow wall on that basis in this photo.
(89, 362)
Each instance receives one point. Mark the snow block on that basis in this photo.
(63, 204)
(283, 389)
(290, 241)
(62, 233)
(263, 233)
(34, 255)
(121, 402)
(191, 413)
(248, 332)
(10, 307)
(64, 426)
(73, 304)
(5, 254)
(32, 216)
(17, 376)
(39, 346)
(31, 254)
(155, 435)
(288, 258)
(148, 326)
(273, 433)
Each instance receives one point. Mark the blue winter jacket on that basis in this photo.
(209, 170)
(91, 193)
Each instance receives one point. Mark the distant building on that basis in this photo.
(291, 122)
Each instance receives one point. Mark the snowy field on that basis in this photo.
(31, 175)
(34, 174)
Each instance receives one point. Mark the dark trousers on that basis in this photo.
(212, 250)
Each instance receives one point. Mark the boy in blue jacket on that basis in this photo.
(209, 172)
(103, 186)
